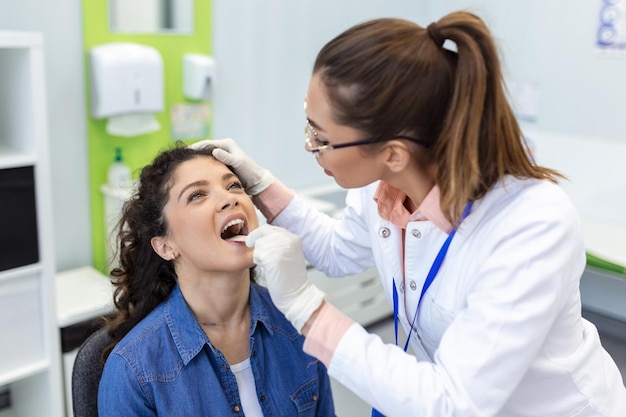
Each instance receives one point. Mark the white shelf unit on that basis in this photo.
(29, 347)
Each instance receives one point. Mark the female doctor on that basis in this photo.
(478, 249)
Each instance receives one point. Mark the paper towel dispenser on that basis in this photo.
(126, 86)
(125, 78)
(199, 76)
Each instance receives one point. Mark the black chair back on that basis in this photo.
(87, 372)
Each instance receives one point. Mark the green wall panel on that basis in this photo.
(138, 150)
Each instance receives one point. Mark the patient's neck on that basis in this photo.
(221, 306)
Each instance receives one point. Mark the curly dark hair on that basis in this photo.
(143, 279)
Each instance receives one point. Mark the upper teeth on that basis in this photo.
(233, 223)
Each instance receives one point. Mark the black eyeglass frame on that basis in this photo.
(309, 132)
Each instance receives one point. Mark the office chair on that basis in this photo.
(86, 374)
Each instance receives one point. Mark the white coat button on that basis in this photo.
(413, 285)
(384, 232)
(416, 233)
(402, 287)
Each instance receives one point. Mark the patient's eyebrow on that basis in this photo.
(228, 176)
(198, 183)
(191, 185)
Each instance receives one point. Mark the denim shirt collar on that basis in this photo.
(187, 332)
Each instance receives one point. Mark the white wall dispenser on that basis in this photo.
(199, 76)
(126, 87)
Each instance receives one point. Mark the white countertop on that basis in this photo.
(596, 171)
(82, 294)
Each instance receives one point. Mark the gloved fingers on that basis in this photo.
(228, 144)
(273, 233)
(225, 157)
(279, 257)
(201, 144)
(255, 179)
(256, 234)
(275, 248)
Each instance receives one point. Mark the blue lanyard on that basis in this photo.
(432, 273)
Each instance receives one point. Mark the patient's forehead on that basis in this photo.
(205, 166)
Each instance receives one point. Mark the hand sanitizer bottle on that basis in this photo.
(118, 175)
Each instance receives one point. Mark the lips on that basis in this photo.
(235, 229)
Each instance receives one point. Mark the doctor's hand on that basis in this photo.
(278, 254)
(254, 178)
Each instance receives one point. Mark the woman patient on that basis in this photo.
(194, 335)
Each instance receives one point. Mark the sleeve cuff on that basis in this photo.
(326, 331)
(273, 200)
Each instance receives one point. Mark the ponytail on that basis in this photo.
(481, 141)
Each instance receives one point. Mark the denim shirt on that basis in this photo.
(167, 366)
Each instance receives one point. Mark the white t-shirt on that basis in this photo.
(247, 389)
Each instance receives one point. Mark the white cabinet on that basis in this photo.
(29, 339)
(360, 297)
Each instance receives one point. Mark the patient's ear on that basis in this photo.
(162, 247)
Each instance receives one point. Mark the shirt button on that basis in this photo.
(314, 397)
(262, 398)
(225, 367)
(413, 285)
(384, 232)
(402, 287)
(416, 233)
(254, 354)
(236, 409)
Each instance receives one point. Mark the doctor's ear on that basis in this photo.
(397, 155)
(162, 248)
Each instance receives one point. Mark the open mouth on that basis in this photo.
(235, 231)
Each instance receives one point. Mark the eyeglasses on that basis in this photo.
(312, 143)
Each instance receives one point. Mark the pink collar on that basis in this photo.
(390, 202)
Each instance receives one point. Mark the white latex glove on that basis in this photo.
(254, 178)
(278, 254)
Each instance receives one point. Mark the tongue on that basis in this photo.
(237, 238)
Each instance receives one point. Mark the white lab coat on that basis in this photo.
(499, 332)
